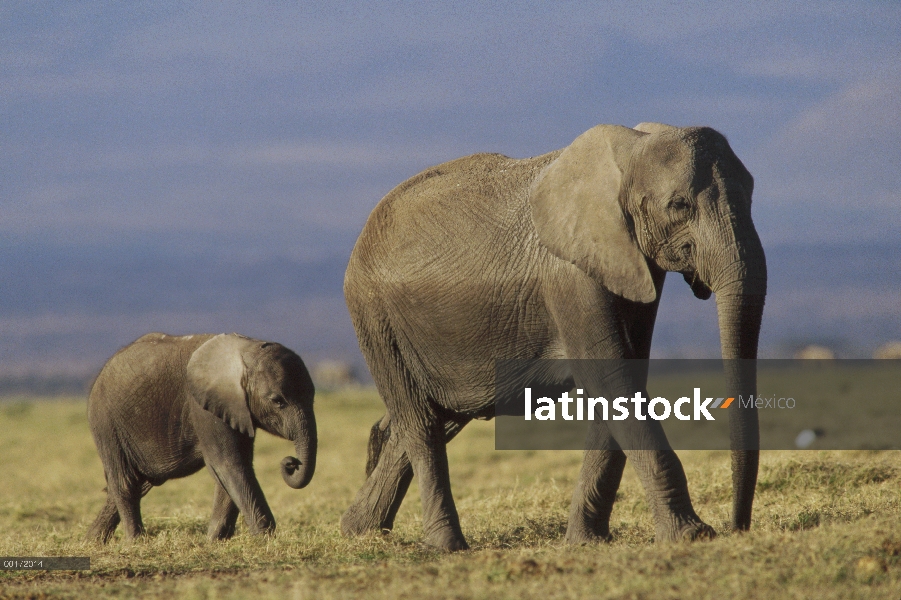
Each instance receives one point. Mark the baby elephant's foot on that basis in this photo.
(261, 526)
(220, 531)
(268, 530)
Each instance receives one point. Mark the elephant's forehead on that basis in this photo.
(668, 170)
(689, 169)
(285, 372)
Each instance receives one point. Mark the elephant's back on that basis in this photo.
(148, 359)
(137, 399)
(447, 214)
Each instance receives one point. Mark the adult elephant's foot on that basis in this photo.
(698, 531)
(104, 526)
(585, 528)
(588, 526)
(376, 504)
(587, 533)
(446, 539)
(684, 528)
(356, 522)
(586, 539)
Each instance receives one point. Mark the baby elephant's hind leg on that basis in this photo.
(105, 523)
(127, 496)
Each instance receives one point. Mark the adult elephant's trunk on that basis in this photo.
(297, 472)
(740, 290)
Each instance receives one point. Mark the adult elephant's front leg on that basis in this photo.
(646, 447)
(666, 486)
(662, 476)
(604, 461)
(599, 479)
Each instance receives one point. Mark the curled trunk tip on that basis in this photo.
(295, 473)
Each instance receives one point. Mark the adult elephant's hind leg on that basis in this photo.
(225, 515)
(376, 504)
(423, 438)
(378, 501)
(125, 494)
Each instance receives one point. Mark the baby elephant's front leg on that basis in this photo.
(225, 515)
(229, 457)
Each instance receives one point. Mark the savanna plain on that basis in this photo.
(826, 524)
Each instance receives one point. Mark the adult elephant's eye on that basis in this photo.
(679, 204)
(279, 401)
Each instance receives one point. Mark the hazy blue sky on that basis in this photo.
(268, 120)
(252, 129)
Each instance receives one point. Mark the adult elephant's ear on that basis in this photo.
(577, 212)
(216, 381)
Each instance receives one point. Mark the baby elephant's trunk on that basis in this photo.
(297, 472)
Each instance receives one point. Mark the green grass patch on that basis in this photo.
(825, 524)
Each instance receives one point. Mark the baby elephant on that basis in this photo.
(164, 406)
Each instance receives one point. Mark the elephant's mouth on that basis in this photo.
(698, 287)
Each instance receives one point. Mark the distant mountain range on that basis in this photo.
(65, 308)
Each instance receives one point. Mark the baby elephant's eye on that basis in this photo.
(279, 401)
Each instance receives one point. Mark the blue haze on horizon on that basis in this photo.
(207, 166)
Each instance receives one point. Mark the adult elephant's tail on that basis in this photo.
(378, 435)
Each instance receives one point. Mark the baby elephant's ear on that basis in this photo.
(215, 381)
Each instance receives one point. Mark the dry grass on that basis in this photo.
(826, 524)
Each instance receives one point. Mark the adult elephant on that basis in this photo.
(557, 256)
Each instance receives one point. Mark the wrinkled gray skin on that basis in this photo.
(164, 406)
(557, 256)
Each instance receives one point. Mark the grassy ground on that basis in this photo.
(826, 524)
